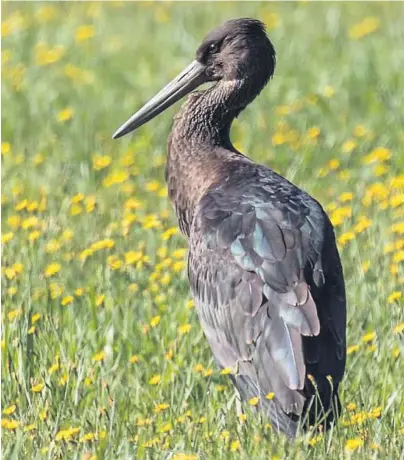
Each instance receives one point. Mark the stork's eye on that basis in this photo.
(213, 48)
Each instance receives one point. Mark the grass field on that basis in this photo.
(102, 352)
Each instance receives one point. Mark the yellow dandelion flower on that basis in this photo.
(396, 352)
(161, 407)
(351, 407)
(313, 133)
(346, 196)
(84, 33)
(5, 148)
(226, 371)
(101, 162)
(270, 396)
(155, 380)
(235, 446)
(10, 424)
(116, 177)
(364, 28)
(52, 247)
(352, 349)
(169, 233)
(43, 414)
(179, 253)
(316, 439)
(349, 146)
(359, 131)
(103, 244)
(183, 456)
(178, 266)
(369, 337)
(132, 257)
(398, 329)
(38, 387)
(379, 154)
(133, 288)
(63, 380)
(184, 328)
(31, 330)
(166, 428)
(333, 164)
(79, 292)
(6, 237)
(14, 314)
(100, 356)
(52, 269)
(155, 321)
(190, 303)
(10, 409)
(208, 372)
(394, 296)
(65, 115)
(66, 435)
(67, 300)
(198, 367)
(345, 238)
(254, 401)
(398, 228)
(30, 427)
(353, 444)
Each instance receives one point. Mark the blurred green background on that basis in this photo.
(102, 353)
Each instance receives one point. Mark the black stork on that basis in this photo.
(263, 264)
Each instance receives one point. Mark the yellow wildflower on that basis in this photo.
(155, 321)
(352, 349)
(235, 446)
(65, 115)
(184, 328)
(66, 435)
(226, 371)
(353, 444)
(161, 407)
(10, 409)
(365, 27)
(254, 401)
(369, 337)
(155, 380)
(38, 387)
(84, 33)
(349, 146)
(398, 329)
(67, 300)
(101, 162)
(394, 296)
(52, 269)
(6, 237)
(100, 356)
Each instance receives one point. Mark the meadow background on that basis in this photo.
(102, 352)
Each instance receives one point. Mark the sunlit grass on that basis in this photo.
(102, 352)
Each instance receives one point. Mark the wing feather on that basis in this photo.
(252, 267)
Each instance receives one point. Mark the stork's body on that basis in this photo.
(263, 264)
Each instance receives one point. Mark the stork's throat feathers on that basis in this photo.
(199, 146)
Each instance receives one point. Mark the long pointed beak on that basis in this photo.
(188, 80)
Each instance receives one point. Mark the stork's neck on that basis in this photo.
(199, 147)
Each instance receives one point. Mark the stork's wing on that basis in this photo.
(248, 263)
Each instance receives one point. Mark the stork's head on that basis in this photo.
(238, 51)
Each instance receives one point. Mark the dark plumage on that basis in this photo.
(263, 264)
